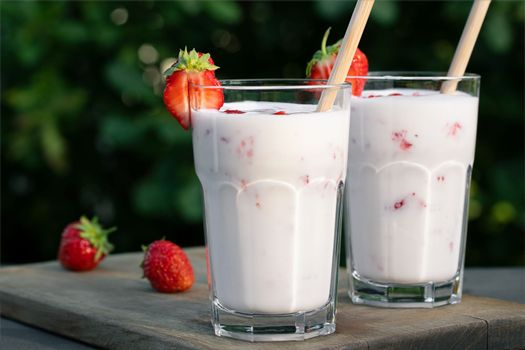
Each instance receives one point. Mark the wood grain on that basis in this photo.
(112, 307)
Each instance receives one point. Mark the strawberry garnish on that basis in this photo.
(323, 61)
(191, 68)
(167, 267)
(280, 113)
(84, 245)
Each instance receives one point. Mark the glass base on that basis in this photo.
(422, 295)
(273, 327)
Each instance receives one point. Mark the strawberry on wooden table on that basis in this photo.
(167, 267)
(323, 61)
(84, 244)
(191, 68)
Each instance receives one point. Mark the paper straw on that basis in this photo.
(346, 52)
(466, 45)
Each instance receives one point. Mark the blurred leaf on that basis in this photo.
(72, 32)
(333, 9)
(54, 147)
(171, 189)
(497, 32)
(443, 50)
(385, 12)
(191, 7)
(519, 13)
(21, 148)
(456, 10)
(228, 12)
(503, 212)
(501, 174)
(509, 191)
(187, 200)
(41, 107)
(97, 18)
(30, 55)
(119, 132)
(475, 209)
(94, 13)
(152, 200)
(46, 92)
(170, 132)
(171, 14)
(128, 81)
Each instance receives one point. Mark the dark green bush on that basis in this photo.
(84, 130)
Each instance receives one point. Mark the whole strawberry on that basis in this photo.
(167, 267)
(191, 68)
(323, 61)
(84, 244)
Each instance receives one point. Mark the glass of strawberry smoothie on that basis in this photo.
(409, 165)
(272, 171)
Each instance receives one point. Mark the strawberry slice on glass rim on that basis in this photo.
(191, 68)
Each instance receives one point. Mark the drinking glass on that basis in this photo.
(272, 171)
(409, 167)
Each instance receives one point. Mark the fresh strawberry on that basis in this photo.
(191, 68)
(323, 61)
(84, 244)
(167, 267)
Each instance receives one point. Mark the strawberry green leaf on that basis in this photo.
(96, 235)
(191, 62)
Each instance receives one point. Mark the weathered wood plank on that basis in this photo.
(414, 328)
(17, 336)
(505, 322)
(112, 307)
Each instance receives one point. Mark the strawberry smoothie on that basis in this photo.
(272, 175)
(410, 159)
(272, 170)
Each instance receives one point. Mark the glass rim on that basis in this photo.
(274, 84)
(413, 75)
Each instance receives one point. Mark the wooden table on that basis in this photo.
(112, 307)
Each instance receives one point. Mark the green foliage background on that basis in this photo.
(84, 130)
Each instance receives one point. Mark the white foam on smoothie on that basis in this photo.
(409, 160)
(270, 189)
(267, 108)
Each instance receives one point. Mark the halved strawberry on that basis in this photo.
(203, 97)
(191, 68)
(323, 61)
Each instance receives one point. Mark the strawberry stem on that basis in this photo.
(323, 43)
